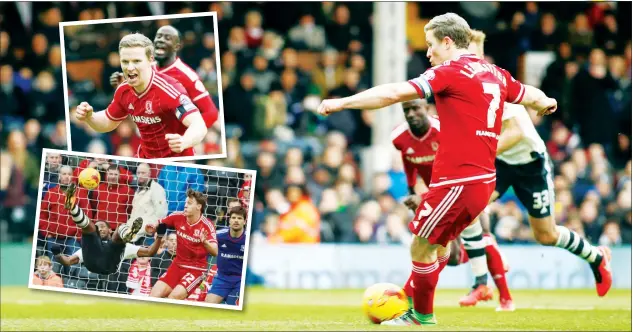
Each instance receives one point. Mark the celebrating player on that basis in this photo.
(418, 140)
(166, 47)
(232, 243)
(101, 252)
(169, 123)
(469, 94)
(196, 240)
(523, 163)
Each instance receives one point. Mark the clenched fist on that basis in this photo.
(329, 106)
(83, 111)
(176, 142)
(547, 106)
(116, 79)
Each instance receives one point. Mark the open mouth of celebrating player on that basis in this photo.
(159, 49)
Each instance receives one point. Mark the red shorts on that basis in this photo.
(446, 211)
(187, 277)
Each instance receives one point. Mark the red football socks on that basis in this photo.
(425, 277)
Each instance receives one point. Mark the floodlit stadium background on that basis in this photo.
(280, 59)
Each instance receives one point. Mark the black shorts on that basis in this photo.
(532, 183)
(101, 257)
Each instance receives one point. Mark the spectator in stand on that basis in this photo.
(329, 75)
(253, 29)
(113, 199)
(177, 180)
(307, 35)
(51, 171)
(44, 275)
(139, 278)
(150, 200)
(55, 223)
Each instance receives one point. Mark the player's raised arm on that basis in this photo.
(151, 250)
(65, 259)
(99, 121)
(536, 99)
(377, 97)
(211, 244)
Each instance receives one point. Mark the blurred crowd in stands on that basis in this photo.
(278, 60)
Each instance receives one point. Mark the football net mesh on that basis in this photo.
(114, 201)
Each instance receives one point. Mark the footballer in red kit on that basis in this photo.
(469, 95)
(168, 121)
(166, 47)
(195, 241)
(417, 139)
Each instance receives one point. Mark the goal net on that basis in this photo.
(115, 200)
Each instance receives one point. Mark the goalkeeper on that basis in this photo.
(98, 255)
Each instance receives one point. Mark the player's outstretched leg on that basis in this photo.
(125, 233)
(77, 214)
(498, 270)
(546, 232)
(472, 238)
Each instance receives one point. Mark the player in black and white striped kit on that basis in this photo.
(523, 163)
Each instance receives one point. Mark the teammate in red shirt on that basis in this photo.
(195, 241)
(166, 47)
(169, 123)
(469, 95)
(418, 140)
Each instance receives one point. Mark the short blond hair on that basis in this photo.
(452, 26)
(137, 40)
(478, 37)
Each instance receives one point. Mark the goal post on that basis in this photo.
(389, 66)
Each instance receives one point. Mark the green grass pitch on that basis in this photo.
(285, 310)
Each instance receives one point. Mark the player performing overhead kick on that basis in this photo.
(469, 94)
(169, 123)
(100, 252)
(418, 140)
(166, 47)
(195, 241)
(232, 244)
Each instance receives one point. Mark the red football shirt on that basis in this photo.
(157, 111)
(418, 153)
(469, 96)
(196, 90)
(190, 252)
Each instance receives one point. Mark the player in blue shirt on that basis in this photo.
(231, 244)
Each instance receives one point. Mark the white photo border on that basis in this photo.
(240, 305)
(218, 69)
